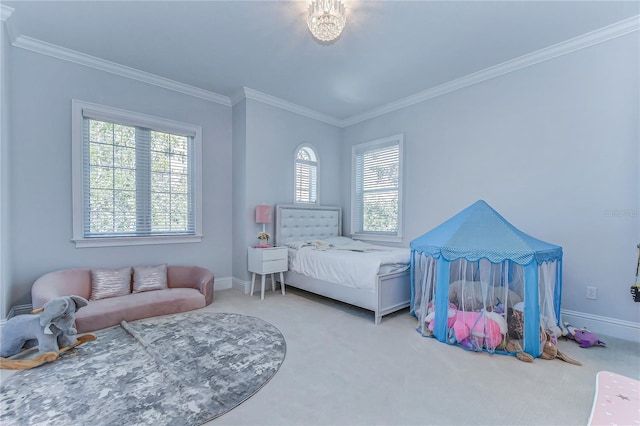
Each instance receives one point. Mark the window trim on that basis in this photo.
(295, 176)
(371, 145)
(82, 109)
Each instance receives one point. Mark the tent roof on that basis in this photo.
(481, 232)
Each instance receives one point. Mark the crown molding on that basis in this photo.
(238, 97)
(5, 12)
(601, 35)
(247, 93)
(39, 46)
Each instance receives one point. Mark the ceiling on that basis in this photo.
(389, 50)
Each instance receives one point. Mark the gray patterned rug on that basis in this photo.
(183, 369)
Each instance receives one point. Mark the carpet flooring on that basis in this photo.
(183, 369)
(342, 369)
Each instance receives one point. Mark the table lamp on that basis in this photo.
(263, 216)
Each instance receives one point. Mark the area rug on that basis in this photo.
(183, 369)
(617, 400)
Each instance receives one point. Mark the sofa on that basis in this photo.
(188, 288)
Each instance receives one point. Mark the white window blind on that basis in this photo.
(306, 176)
(377, 187)
(139, 177)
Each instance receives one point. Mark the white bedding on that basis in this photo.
(348, 262)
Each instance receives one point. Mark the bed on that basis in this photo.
(318, 253)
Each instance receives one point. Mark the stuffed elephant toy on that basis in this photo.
(50, 330)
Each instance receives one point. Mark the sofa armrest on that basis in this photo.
(195, 277)
(61, 283)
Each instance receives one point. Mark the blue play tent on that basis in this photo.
(478, 261)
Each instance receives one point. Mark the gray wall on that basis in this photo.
(40, 203)
(553, 147)
(239, 184)
(5, 252)
(271, 136)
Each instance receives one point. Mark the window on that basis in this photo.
(377, 189)
(306, 178)
(136, 178)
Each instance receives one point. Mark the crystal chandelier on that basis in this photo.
(326, 19)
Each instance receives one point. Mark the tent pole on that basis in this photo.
(442, 300)
(531, 310)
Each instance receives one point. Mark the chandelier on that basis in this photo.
(326, 20)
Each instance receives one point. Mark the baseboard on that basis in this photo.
(600, 325)
(242, 285)
(16, 310)
(245, 286)
(222, 283)
(19, 310)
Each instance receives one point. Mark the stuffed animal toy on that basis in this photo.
(583, 336)
(50, 329)
(479, 329)
(474, 295)
(473, 330)
(515, 322)
(429, 319)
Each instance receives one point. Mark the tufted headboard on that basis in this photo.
(295, 222)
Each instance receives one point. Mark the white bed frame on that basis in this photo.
(392, 292)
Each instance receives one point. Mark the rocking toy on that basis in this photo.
(49, 328)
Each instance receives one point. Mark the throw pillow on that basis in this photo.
(110, 283)
(147, 278)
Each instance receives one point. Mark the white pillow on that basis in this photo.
(299, 244)
(338, 241)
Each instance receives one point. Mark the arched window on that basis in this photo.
(306, 175)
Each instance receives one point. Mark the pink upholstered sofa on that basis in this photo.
(189, 288)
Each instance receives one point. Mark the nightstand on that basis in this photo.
(267, 261)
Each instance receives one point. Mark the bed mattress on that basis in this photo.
(347, 262)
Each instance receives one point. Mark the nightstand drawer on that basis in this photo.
(279, 253)
(268, 260)
(274, 266)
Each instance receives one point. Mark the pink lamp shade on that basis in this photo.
(263, 213)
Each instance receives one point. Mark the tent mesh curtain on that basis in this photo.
(485, 303)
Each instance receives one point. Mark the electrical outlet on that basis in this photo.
(592, 293)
